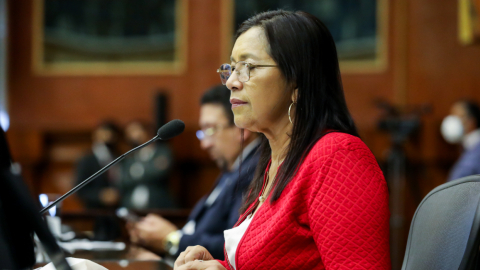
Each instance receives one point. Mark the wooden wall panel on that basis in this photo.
(69, 103)
(53, 102)
(46, 104)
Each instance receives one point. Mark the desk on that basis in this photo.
(131, 265)
(82, 221)
(132, 257)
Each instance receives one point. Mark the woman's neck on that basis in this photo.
(279, 139)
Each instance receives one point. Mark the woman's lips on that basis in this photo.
(237, 102)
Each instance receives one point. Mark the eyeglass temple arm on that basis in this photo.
(250, 66)
(263, 65)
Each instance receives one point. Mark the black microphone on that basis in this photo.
(167, 131)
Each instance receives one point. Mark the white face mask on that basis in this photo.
(452, 129)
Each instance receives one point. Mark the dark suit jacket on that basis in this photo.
(212, 220)
(90, 194)
(106, 227)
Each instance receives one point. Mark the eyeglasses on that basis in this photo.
(242, 69)
(209, 132)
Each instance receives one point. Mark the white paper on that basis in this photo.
(84, 244)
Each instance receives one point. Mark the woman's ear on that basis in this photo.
(295, 95)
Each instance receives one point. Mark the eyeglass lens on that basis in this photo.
(205, 133)
(225, 72)
(240, 68)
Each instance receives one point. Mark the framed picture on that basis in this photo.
(109, 37)
(469, 21)
(359, 27)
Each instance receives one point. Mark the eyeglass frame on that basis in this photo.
(214, 129)
(248, 65)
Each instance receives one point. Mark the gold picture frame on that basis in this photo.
(380, 63)
(469, 21)
(91, 68)
(376, 65)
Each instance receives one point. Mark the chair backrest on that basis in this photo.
(444, 233)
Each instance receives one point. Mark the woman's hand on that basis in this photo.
(201, 265)
(196, 258)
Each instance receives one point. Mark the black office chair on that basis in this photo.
(444, 233)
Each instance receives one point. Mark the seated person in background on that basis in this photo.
(102, 192)
(218, 210)
(144, 178)
(463, 126)
(318, 199)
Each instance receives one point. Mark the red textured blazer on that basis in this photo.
(332, 215)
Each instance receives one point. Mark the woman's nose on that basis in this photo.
(233, 83)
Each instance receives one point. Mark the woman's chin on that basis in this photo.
(241, 122)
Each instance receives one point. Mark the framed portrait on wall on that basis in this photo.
(109, 37)
(359, 27)
(469, 21)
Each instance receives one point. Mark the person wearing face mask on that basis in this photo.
(463, 126)
(144, 180)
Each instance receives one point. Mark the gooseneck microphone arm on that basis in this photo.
(95, 175)
(167, 131)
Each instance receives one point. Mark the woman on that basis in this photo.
(319, 199)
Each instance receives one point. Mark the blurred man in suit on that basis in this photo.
(463, 126)
(102, 193)
(218, 210)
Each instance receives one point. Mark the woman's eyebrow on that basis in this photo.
(245, 56)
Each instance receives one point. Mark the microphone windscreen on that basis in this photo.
(171, 129)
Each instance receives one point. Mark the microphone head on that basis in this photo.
(171, 129)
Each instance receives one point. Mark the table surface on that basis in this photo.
(129, 265)
(133, 257)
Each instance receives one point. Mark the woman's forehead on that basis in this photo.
(250, 45)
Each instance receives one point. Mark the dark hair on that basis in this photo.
(110, 125)
(305, 52)
(145, 125)
(473, 110)
(219, 95)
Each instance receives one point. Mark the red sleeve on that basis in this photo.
(348, 208)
